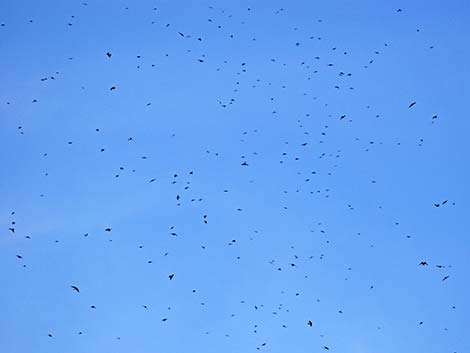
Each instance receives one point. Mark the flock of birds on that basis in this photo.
(247, 195)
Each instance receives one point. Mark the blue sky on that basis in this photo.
(328, 221)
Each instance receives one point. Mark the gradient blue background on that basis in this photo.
(365, 218)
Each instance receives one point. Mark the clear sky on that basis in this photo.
(268, 154)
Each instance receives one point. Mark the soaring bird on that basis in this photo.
(75, 288)
(411, 104)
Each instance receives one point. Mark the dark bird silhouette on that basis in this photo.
(75, 288)
(411, 104)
